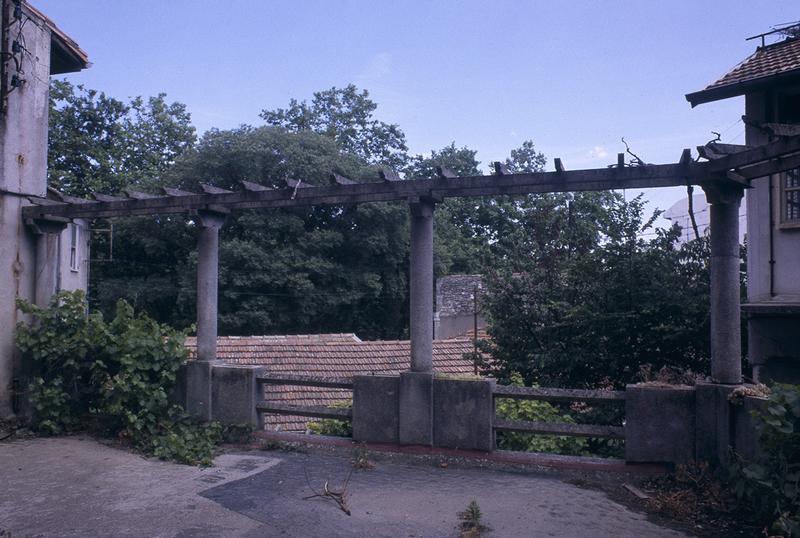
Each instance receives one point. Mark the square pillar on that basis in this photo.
(416, 408)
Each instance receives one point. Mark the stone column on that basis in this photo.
(199, 372)
(726, 346)
(47, 232)
(421, 284)
(415, 424)
(207, 283)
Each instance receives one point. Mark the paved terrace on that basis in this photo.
(78, 487)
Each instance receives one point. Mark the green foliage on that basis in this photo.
(770, 486)
(331, 426)
(588, 306)
(101, 144)
(113, 377)
(345, 115)
(538, 411)
(471, 525)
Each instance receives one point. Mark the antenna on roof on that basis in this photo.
(790, 30)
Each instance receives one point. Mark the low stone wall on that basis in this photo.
(659, 423)
(663, 424)
(461, 412)
(678, 424)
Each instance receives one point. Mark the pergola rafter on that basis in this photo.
(726, 164)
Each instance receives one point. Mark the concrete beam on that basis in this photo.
(47, 232)
(207, 283)
(726, 338)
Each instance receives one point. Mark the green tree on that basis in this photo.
(100, 144)
(593, 318)
(299, 270)
(346, 116)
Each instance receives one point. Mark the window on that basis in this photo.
(74, 262)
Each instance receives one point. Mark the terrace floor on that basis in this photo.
(76, 486)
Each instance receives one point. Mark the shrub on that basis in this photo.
(332, 426)
(770, 486)
(512, 409)
(112, 378)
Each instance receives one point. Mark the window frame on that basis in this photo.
(74, 248)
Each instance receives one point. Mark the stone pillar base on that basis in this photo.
(416, 408)
(714, 433)
(234, 394)
(463, 414)
(198, 389)
(375, 408)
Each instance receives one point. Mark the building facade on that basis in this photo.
(769, 80)
(38, 258)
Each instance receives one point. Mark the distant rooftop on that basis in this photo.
(767, 65)
(329, 355)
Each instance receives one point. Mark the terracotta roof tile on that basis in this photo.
(336, 355)
(777, 59)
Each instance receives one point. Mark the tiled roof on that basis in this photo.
(765, 64)
(337, 356)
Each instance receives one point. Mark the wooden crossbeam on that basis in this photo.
(296, 183)
(389, 175)
(665, 175)
(755, 155)
(169, 191)
(314, 411)
(501, 169)
(444, 173)
(781, 129)
(338, 179)
(774, 166)
(253, 187)
(560, 428)
(136, 195)
(100, 197)
(211, 189)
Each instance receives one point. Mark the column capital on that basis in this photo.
(422, 208)
(209, 218)
(47, 225)
(723, 193)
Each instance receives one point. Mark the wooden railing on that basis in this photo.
(559, 395)
(313, 411)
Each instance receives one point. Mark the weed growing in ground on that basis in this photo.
(471, 526)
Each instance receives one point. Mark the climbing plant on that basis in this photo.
(112, 378)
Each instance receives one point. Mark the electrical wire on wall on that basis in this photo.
(13, 49)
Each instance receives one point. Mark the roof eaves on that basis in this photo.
(740, 88)
(66, 56)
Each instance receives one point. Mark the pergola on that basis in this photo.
(723, 175)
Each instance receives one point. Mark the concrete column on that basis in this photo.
(415, 421)
(421, 284)
(207, 282)
(47, 232)
(726, 346)
(199, 372)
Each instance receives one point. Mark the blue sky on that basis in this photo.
(573, 76)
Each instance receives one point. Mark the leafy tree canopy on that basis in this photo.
(346, 116)
(101, 144)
